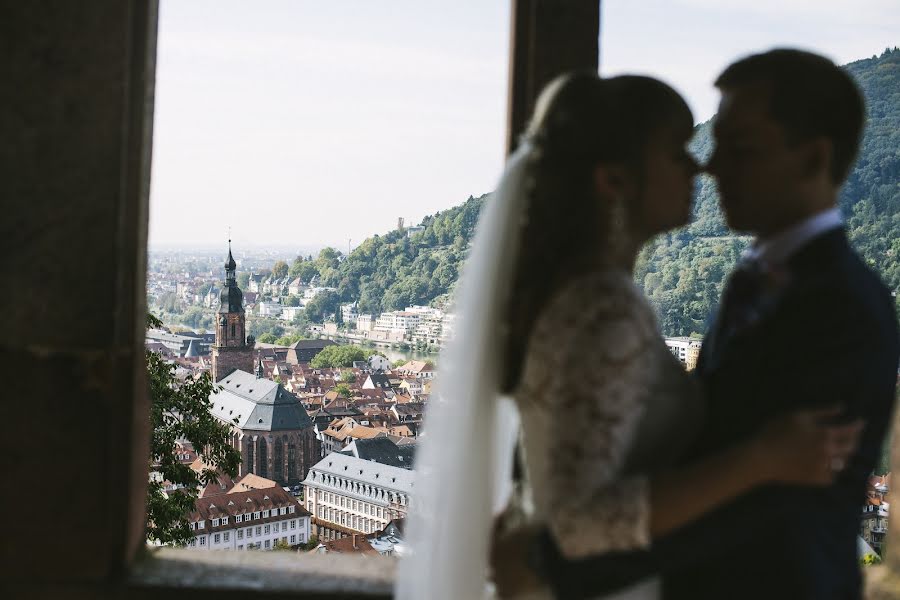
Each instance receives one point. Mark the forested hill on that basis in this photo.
(682, 272)
(400, 268)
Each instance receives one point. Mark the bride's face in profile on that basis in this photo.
(665, 187)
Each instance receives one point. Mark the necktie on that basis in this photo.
(740, 298)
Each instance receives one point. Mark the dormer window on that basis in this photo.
(265, 514)
(215, 523)
(291, 509)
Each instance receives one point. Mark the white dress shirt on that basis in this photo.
(777, 249)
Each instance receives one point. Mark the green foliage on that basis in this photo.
(398, 363)
(348, 377)
(243, 280)
(324, 304)
(180, 411)
(312, 543)
(292, 301)
(192, 316)
(338, 356)
(393, 271)
(281, 545)
(869, 559)
(300, 320)
(287, 340)
(266, 338)
(258, 326)
(343, 390)
(280, 270)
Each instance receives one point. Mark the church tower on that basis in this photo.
(233, 349)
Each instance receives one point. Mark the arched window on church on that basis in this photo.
(278, 461)
(263, 470)
(250, 455)
(232, 330)
(292, 460)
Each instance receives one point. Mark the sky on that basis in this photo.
(302, 123)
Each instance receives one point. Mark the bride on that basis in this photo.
(555, 341)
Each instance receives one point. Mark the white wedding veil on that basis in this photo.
(464, 459)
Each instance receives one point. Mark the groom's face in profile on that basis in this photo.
(755, 166)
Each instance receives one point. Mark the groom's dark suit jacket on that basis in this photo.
(827, 334)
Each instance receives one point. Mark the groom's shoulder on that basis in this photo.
(836, 280)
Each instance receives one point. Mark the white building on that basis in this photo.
(312, 292)
(685, 349)
(348, 495)
(269, 309)
(289, 313)
(349, 314)
(248, 520)
(296, 287)
(400, 321)
(364, 323)
(379, 363)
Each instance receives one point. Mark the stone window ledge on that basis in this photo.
(300, 575)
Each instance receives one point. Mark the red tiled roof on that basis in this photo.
(357, 544)
(248, 501)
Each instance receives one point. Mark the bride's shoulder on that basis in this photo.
(600, 292)
(600, 298)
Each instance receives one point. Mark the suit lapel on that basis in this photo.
(805, 265)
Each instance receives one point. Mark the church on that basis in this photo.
(270, 428)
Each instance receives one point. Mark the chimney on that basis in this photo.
(354, 542)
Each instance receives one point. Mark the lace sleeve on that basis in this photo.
(596, 404)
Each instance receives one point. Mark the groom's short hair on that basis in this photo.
(810, 97)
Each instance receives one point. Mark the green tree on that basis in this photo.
(348, 377)
(312, 543)
(243, 280)
(280, 270)
(282, 545)
(323, 304)
(192, 317)
(338, 356)
(181, 411)
(292, 301)
(343, 390)
(267, 338)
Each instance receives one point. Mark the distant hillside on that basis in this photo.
(682, 272)
(396, 270)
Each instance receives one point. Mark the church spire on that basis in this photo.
(230, 267)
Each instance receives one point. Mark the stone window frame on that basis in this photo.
(116, 41)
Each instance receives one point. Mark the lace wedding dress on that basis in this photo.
(602, 403)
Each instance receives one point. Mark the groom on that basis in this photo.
(803, 322)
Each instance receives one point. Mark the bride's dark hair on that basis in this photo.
(580, 122)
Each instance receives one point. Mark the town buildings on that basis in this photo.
(348, 495)
(685, 349)
(248, 519)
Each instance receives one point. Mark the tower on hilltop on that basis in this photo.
(233, 349)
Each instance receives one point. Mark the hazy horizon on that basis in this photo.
(301, 125)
